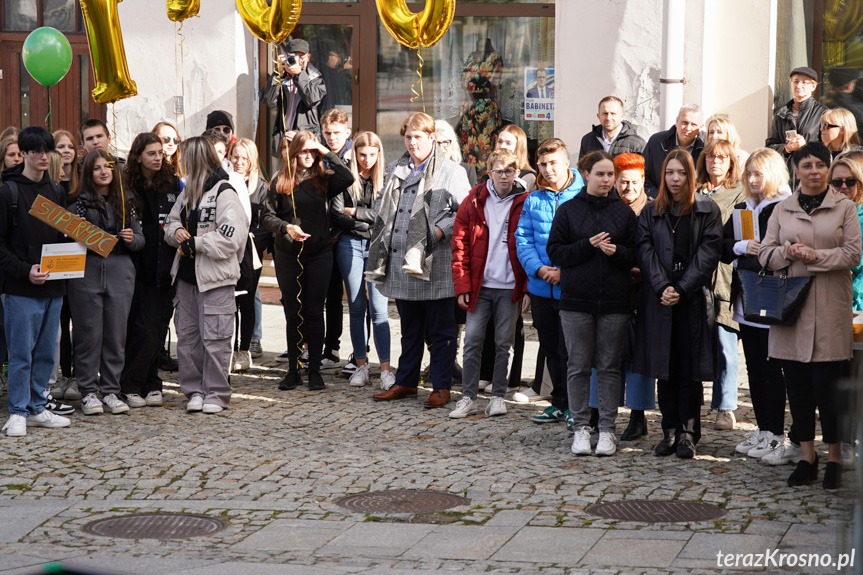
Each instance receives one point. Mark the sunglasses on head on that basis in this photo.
(847, 182)
(168, 139)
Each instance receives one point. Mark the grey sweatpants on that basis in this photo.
(205, 323)
(99, 303)
(593, 341)
(496, 306)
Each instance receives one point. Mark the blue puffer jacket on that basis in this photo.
(531, 236)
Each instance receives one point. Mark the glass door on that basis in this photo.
(332, 47)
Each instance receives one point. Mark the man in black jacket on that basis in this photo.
(32, 303)
(296, 89)
(685, 133)
(799, 121)
(613, 134)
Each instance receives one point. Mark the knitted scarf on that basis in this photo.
(417, 260)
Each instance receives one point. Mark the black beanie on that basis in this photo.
(219, 118)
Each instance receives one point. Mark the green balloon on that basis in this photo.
(47, 55)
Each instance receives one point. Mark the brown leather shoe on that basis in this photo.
(438, 398)
(395, 392)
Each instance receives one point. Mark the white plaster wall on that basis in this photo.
(217, 71)
(613, 47)
(603, 48)
(744, 60)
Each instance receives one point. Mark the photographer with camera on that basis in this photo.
(296, 89)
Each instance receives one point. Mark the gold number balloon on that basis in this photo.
(179, 10)
(270, 23)
(107, 53)
(415, 30)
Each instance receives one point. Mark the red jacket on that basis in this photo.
(470, 245)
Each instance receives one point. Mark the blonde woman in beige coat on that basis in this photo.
(815, 233)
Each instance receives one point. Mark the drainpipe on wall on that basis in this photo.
(671, 76)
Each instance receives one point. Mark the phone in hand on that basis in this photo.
(790, 134)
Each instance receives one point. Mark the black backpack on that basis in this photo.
(13, 187)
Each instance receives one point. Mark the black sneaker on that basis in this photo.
(57, 407)
(350, 367)
(316, 382)
(291, 380)
(685, 449)
(166, 362)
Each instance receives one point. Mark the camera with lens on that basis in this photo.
(291, 60)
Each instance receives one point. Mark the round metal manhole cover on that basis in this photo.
(656, 511)
(155, 526)
(401, 501)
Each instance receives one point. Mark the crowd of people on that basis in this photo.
(629, 264)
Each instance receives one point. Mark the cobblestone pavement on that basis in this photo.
(274, 464)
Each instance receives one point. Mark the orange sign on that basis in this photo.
(92, 237)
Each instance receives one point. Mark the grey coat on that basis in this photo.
(726, 199)
(449, 187)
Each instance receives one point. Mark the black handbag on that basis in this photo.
(773, 299)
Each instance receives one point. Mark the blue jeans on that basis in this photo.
(259, 309)
(725, 384)
(36, 324)
(351, 254)
(639, 390)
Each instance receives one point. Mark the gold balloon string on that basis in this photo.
(419, 81)
(113, 152)
(302, 320)
(181, 45)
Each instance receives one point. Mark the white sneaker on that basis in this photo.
(211, 408)
(16, 426)
(465, 406)
(360, 376)
(135, 400)
(527, 396)
(486, 386)
(581, 441)
(242, 360)
(784, 452)
(607, 444)
(388, 379)
(91, 405)
(751, 440)
(330, 362)
(48, 419)
(495, 406)
(154, 399)
(196, 403)
(114, 404)
(765, 446)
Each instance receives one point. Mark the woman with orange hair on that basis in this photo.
(679, 245)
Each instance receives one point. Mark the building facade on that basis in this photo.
(735, 57)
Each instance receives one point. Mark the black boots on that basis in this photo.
(291, 380)
(637, 426)
(668, 445)
(805, 473)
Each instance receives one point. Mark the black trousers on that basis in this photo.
(766, 382)
(244, 320)
(486, 368)
(65, 339)
(437, 319)
(546, 320)
(680, 397)
(335, 309)
(304, 289)
(812, 385)
(145, 335)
